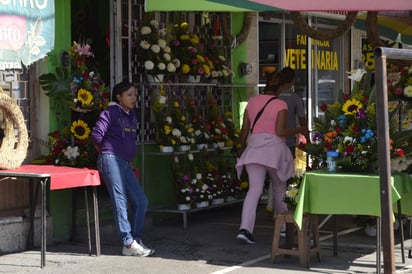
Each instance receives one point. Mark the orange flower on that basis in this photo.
(330, 136)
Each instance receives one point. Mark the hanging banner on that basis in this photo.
(26, 32)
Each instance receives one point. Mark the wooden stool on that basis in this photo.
(309, 232)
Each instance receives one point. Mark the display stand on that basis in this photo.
(193, 210)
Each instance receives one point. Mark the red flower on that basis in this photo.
(323, 107)
(400, 152)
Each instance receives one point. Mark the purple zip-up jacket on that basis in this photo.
(115, 132)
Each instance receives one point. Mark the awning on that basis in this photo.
(192, 5)
(394, 25)
(338, 5)
(26, 32)
(246, 5)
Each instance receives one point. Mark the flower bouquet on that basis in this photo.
(349, 127)
(188, 48)
(72, 146)
(154, 51)
(400, 84)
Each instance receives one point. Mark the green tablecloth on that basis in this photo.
(342, 193)
(403, 184)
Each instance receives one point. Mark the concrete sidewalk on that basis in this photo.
(208, 245)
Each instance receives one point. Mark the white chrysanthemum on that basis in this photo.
(176, 62)
(145, 30)
(155, 48)
(407, 91)
(214, 74)
(199, 176)
(167, 49)
(176, 132)
(198, 132)
(204, 187)
(161, 66)
(162, 99)
(333, 123)
(183, 139)
(167, 57)
(347, 139)
(154, 23)
(225, 73)
(194, 181)
(169, 119)
(144, 44)
(149, 65)
(190, 156)
(218, 131)
(162, 33)
(162, 43)
(171, 67)
(72, 152)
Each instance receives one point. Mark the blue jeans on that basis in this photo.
(124, 188)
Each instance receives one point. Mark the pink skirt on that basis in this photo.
(270, 151)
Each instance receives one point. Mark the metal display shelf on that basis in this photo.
(192, 210)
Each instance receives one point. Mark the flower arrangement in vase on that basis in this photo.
(72, 146)
(349, 127)
(154, 51)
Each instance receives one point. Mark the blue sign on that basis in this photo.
(26, 31)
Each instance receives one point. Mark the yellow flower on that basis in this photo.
(194, 40)
(200, 58)
(351, 106)
(80, 129)
(185, 69)
(244, 185)
(184, 25)
(84, 96)
(206, 69)
(167, 129)
(176, 104)
(184, 37)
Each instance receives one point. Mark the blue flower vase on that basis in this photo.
(331, 157)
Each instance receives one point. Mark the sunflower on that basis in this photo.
(84, 96)
(351, 106)
(80, 129)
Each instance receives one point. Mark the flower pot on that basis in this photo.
(202, 204)
(157, 78)
(184, 206)
(166, 149)
(184, 148)
(230, 199)
(218, 201)
(193, 78)
(219, 145)
(201, 146)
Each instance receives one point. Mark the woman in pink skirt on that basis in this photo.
(264, 150)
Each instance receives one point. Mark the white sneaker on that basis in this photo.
(136, 250)
(152, 251)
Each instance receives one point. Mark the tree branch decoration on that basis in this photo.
(373, 37)
(328, 35)
(241, 37)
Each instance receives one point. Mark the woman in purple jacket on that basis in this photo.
(114, 136)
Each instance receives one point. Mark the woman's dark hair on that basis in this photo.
(118, 89)
(276, 79)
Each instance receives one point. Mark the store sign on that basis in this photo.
(26, 31)
(325, 58)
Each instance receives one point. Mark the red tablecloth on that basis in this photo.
(62, 177)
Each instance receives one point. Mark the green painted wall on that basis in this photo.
(60, 201)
